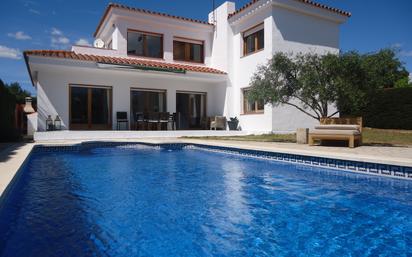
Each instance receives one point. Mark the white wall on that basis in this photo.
(245, 66)
(286, 30)
(298, 32)
(295, 32)
(54, 80)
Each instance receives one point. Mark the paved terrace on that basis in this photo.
(12, 157)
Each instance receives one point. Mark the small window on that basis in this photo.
(145, 44)
(250, 106)
(253, 40)
(187, 50)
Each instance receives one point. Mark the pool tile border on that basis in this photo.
(385, 170)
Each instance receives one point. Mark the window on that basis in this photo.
(187, 50)
(145, 44)
(250, 106)
(253, 40)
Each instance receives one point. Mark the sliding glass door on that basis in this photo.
(146, 101)
(90, 107)
(191, 109)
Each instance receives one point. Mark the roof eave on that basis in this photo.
(132, 9)
(239, 11)
(153, 65)
(26, 60)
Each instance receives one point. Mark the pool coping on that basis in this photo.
(384, 167)
(10, 167)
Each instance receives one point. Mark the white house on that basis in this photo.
(146, 61)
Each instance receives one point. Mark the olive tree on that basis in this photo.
(312, 83)
(306, 82)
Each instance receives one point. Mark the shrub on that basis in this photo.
(389, 109)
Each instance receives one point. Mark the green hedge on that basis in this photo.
(390, 109)
(7, 109)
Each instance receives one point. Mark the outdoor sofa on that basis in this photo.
(348, 129)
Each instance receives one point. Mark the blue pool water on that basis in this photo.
(143, 201)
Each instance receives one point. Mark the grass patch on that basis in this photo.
(384, 137)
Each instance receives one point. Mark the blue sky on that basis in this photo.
(56, 24)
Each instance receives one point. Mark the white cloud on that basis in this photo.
(406, 53)
(410, 77)
(29, 3)
(83, 42)
(58, 39)
(34, 11)
(10, 53)
(19, 35)
(56, 32)
(397, 45)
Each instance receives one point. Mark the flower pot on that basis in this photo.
(233, 125)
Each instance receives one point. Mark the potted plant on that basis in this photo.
(233, 123)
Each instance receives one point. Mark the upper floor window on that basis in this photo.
(253, 39)
(187, 50)
(250, 106)
(145, 44)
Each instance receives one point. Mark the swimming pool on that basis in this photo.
(139, 200)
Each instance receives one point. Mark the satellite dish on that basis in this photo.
(98, 43)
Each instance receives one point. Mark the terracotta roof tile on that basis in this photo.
(120, 60)
(124, 7)
(322, 6)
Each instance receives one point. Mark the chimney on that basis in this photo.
(28, 108)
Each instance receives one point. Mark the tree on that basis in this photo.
(362, 76)
(402, 83)
(7, 119)
(383, 68)
(15, 89)
(312, 83)
(306, 82)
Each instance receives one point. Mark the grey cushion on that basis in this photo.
(338, 127)
(335, 132)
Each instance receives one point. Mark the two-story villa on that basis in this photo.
(146, 61)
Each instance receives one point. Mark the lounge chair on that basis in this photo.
(218, 122)
(349, 129)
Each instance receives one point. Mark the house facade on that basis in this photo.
(145, 61)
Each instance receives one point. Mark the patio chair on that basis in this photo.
(163, 120)
(121, 118)
(172, 120)
(139, 122)
(348, 129)
(153, 120)
(218, 122)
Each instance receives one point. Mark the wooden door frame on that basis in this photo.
(89, 125)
